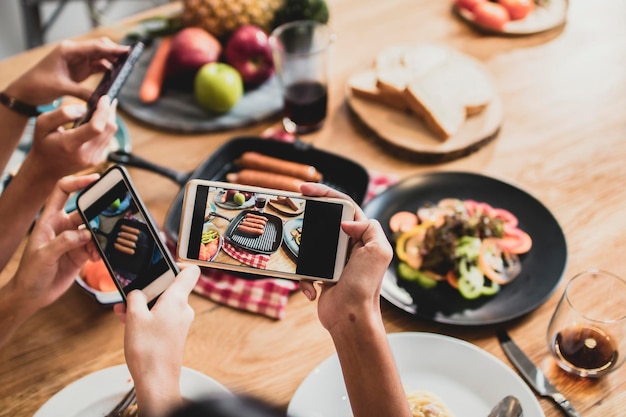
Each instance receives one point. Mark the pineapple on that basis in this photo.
(222, 17)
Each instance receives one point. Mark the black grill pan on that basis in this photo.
(340, 173)
(267, 243)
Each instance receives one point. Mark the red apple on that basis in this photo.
(191, 48)
(248, 51)
(518, 9)
(492, 15)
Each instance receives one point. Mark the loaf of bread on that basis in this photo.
(436, 83)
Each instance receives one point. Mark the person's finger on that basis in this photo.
(53, 120)
(66, 242)
(136, 303)
(308, 289)
(186, 280)
(120, 310)
(66, 186)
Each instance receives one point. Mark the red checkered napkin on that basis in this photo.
(254, 260)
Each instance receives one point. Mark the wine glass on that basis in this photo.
(587, 332)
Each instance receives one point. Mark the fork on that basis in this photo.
(128, 400)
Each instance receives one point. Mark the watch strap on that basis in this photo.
(19, 106)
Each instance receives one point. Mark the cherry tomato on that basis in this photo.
(492, 15)
(518, 9)
(515, 240)
(468, 4)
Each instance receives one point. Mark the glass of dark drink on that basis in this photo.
(301, 52)
(587, 333)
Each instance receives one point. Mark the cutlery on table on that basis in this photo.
(509, 406)
(533, 375)
(125, 403)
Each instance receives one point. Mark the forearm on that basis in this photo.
(14, 311)
(20, 202)
(371, 377)
(158, 394)
(13, 125)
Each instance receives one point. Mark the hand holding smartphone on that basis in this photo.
(263, 231)
(112, 80)
(126, 237)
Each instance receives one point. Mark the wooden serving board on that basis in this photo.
(178, 111)
(406, 136)
(541, 19)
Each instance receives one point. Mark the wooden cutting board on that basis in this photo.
(405, 136)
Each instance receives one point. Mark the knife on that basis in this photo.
(533, 375)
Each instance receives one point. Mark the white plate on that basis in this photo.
(96, 394)
(469, 380)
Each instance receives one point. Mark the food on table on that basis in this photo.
(150, 88)
(287, 202)
(265, 179)
(96, 275)
(259, 161)
(222, 17)
(252, 225)
(248, 51)
(209, 244)
(236, 197)
(466, 244)
(296, 233)
(218, 87)
(441, 86)
(191, 49)
(427, 404)
(496, 14)
(126, 240)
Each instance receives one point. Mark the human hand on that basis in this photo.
(154, 340)
(57, 151)
(60, 72)
(358, 288)
(55, 251)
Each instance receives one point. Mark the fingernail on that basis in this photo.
(85, 235)
(75, 110)
(308, 295)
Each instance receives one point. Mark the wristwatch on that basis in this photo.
(19, 106)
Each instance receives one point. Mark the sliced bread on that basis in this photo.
(363, 84)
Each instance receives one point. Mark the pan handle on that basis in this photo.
(129, 159)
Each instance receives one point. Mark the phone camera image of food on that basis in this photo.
(125, 237)
(263, 232)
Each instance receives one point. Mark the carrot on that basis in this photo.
(265, 179)
(256, 160)
(155, 74)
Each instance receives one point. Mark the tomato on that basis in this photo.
(492, 15)
(498, 265)
(518, 9)
(508, 217)
(515, 240)
(402, 221)
(468, 4)
(452, 279)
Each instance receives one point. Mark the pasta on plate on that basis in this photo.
(426, 404)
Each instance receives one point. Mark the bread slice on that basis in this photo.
(471, 81)
(363, 84)
(424, 58)
(439, 106)
(391, 56)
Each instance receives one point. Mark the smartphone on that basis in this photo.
(263, 231)
(126, 236)
(112, 80)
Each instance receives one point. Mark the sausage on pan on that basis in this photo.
(261, 162)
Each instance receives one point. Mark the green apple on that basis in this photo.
(218, 87)
(239, 199)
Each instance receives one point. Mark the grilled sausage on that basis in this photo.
(265, 179)
(261, 162)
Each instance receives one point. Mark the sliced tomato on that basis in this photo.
(497, 264)
(515, 240)
(453, 279)
(402, 221)
(508, 217)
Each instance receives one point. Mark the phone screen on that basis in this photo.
(284, 234)
(126, 240)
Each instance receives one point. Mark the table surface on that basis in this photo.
(562, 140)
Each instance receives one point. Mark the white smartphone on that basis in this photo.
(263, 231)
(125, 235)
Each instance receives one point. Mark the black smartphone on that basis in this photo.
(128, 240)
(227, 226)
(112, 80)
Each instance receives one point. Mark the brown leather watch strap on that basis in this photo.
(19, 106)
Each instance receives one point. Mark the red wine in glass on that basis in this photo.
(305, 105)
(588, 351)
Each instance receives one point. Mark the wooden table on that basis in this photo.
(563, 140)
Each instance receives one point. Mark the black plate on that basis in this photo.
(542, 267)
(178, 111)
